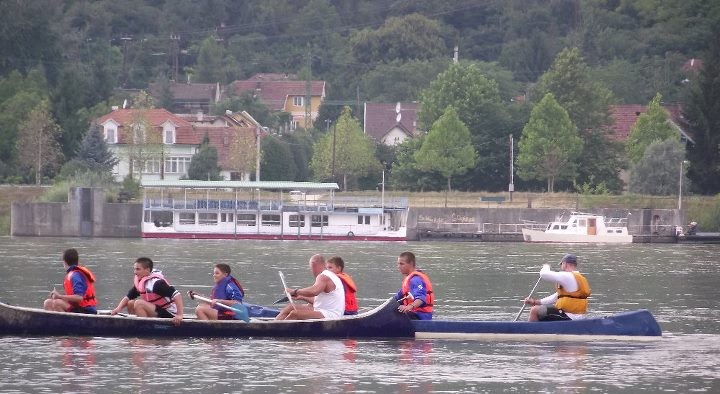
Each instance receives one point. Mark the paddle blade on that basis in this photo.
(241, 312)
(281, 300)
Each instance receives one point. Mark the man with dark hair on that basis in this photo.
(569, 302)
(151, 295)
(79, 288)
(416, 294)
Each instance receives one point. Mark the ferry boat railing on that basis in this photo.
(502, 228)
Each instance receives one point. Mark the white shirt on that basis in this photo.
(563, 278)
(331, 304)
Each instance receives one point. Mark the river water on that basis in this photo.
(678, 283)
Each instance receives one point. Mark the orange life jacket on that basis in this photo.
(351, 304)
(576, 301)
(89, 296)
(430, 299)
(140, 283)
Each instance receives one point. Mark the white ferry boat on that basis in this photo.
(267, 210)
(581, 228)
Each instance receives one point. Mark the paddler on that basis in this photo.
(569, 302)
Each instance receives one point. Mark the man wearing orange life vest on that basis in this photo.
(416, 293)
(337, 266)
(151, 295)
(79, 288)
(569, 302)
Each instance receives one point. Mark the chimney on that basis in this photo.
(200, 116)
(114, 107)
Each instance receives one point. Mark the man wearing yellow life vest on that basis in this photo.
(416, 294)
(569, 302)
(79, 286)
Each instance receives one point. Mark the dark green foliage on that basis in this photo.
(277, 162)
(658, 172)
(94, 152)
(204, 163)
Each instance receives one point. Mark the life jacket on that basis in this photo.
(89, 296)
(350, 290)
(219, 292)
(140, 283)
(576, 301)
(428, 307)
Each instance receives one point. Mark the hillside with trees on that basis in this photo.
(65, 63)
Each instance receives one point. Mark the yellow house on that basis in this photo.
(279, 92)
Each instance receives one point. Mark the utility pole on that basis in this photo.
(257, 153)
(175, 53)
(308, 88)
(125, 39)
(333, 153)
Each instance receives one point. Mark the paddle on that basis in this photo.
(285, 287)
(281, 300)
(239, 309)
(529, 295)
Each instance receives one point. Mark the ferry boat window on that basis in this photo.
(297, 221)
(563, 227)
(226, 217)
(246, 219)
(207, 218)
(319, 220)
(271, 220)
(363, 219)
(555, 227)
(186, 217)
(582, 223)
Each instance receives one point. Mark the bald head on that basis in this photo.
(317, 264)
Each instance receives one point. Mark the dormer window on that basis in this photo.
(168, 134)
(111, 134)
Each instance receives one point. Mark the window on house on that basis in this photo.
(246, 219)
(297, 221)
(110, 135)
(319, 221)
(169, 135)
(271, 220)
(294, 125)
(177, 165)
(298, 101)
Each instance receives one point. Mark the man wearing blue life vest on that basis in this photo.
(416, 294)
(569, 302)
(79, 286)
(151, 295)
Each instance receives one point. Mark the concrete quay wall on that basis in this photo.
(86, 214)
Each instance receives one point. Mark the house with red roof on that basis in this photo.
(281, 93)
(625, 117)
(157, 144)
(390, 123)
(189, 97)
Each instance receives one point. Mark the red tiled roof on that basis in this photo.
(380, 118)
(274, 94)
(625, 117)
(156, 117)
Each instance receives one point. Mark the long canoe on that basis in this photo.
(381, 322)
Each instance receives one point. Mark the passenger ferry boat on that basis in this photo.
(581, 228)
(267, 210)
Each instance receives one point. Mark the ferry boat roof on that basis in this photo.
(265, 185)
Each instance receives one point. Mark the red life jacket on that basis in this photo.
(430, 299)
(162, 302)
(351, 304)
(89, 296)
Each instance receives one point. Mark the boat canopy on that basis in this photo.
(264, 185)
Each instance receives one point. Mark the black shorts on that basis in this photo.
(550, 313)
(162, 312)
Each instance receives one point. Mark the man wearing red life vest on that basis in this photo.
(79, 286)
(152, 295)
(570, 300)
(416, 293)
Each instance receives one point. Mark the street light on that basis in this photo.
(680, 184)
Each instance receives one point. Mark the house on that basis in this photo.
(625, 117)
(281, 93)
(165, 151)
(189, 97)
(391, 123)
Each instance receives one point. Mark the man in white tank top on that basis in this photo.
(326, 297)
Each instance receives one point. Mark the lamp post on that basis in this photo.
(682, 163)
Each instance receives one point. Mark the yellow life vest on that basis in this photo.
(575, 301)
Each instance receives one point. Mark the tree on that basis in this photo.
(277, 162)
(652, 126)
(204, 163)
(242, 151)
(550, 145)
(447, 148)
(344, 149)
(587, 102)
(702, 114)
(405, 173)
(658, 171)
(37, 145)
(210, 60)
(94, 152)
